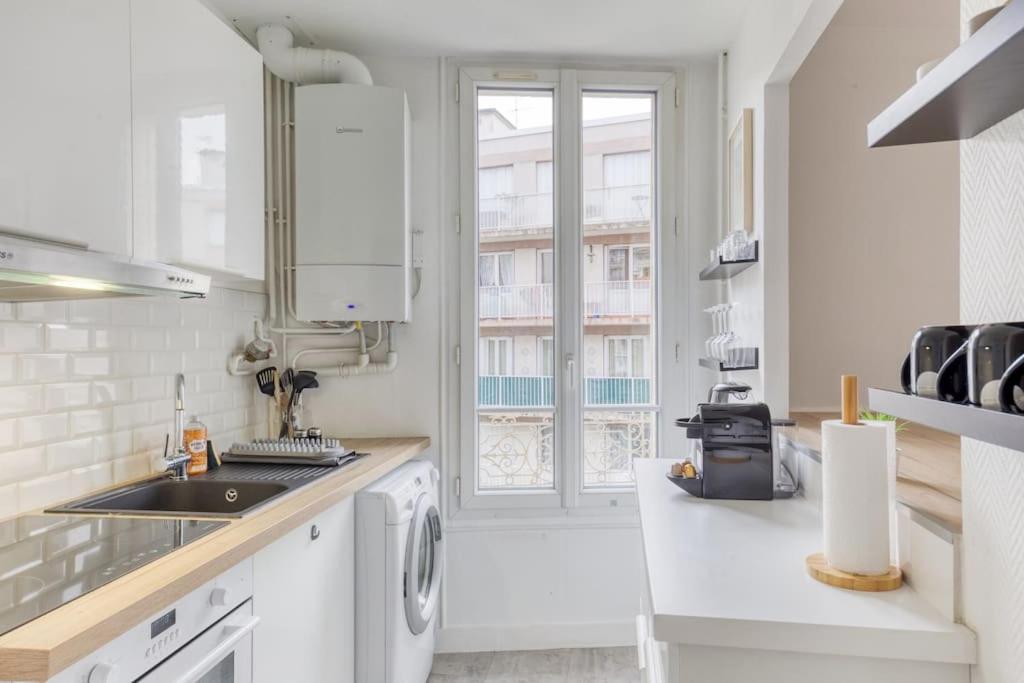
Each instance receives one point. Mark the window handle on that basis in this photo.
(570, 368)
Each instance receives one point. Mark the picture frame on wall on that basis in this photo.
(741, 174)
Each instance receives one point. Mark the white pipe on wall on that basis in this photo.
(307, 65)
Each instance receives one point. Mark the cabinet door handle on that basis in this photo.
(314, 532)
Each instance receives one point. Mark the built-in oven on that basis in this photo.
(221, 654)
(205, 637)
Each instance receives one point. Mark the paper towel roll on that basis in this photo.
(855, 496)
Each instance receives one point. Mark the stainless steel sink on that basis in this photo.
(192, 498)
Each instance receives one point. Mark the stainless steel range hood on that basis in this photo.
(34, 269)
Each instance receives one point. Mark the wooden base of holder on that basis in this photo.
(819, 569)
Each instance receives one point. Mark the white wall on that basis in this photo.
(87, 388)
(873, 233)
(991, 290)
(773, 41)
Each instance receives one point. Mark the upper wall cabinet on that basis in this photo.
(65, 122)
(197, 128)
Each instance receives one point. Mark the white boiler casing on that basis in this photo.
(352, 232)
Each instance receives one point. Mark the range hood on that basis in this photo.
(34, 269)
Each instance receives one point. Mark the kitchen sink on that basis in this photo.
(192, 498)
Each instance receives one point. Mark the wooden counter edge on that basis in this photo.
(47, 645)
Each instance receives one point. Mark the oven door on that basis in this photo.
(221, 654)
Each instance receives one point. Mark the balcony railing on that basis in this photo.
(617, 204)
(511, 212)
(512, 391)
(629, 298)
(600, 205)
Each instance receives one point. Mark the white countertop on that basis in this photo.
(731, 573)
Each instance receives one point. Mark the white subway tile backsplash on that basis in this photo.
(149, 338)
(131, 363)
(42, 367)
(39, 493)
(22, 465)
(130, 313)
(16, 337)
(113, 446)
(131, 415)
(165, 363)
(92, 421)
(8, 369)
(65, 395)
(92, 365)
(37, 429)
(42, 311)
(65, 338)
(67, 455)
(149, 388)
(86, 388)
(21, 400)
(89, 311)
(91, 478)
(111, 338)
(132, 467)
(111, 391)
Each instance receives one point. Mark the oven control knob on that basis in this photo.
(219, 597)
(103, 673)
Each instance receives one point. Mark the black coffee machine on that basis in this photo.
(735, 444)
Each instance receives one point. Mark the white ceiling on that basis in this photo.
(626, 29)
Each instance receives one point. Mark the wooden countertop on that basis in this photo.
(47, 645)
(928, 475)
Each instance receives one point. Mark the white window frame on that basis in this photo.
(510, 356)
(629, 339)
(568, 85)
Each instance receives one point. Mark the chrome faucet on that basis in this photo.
(178, 462)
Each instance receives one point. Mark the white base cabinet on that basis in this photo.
(65, 123)
(304, 594)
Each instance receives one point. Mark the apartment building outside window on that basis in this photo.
(563, 304)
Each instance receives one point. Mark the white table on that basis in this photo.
(727, 598)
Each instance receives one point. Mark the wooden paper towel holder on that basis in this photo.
(817, 566)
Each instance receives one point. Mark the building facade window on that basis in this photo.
(563, 395)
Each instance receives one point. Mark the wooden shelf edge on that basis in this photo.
(982, 424)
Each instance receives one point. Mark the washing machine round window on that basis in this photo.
(424, 553)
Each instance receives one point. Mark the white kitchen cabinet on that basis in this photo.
(197, 130)
(65, 123)
(304, 594)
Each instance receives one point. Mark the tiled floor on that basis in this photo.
(599, 665)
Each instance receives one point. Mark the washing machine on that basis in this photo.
(399, 560)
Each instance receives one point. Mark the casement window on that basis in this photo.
(562, 428)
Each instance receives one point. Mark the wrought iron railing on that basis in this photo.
(537, 391)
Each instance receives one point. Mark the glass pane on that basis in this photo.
(425, 569)
(223, 672)
(618, 274)
(515, 227)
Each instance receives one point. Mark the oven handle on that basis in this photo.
(234, 633)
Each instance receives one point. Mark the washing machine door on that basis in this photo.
(424, 555)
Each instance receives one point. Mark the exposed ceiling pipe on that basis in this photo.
(304, 65)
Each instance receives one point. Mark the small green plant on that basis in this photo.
(874, 415)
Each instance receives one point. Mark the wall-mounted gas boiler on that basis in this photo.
(352, 232)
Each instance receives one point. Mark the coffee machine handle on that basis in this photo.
(945, 384)
(1010, 381)
(905, 375)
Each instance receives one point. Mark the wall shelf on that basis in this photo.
(978, 85)
(723, 270)
(733, 365)
(991, 426)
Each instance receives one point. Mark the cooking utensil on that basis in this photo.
(300, 381)
(267, 381)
